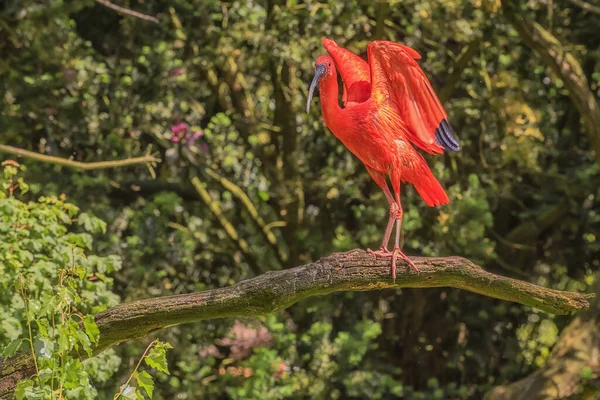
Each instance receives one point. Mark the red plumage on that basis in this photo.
(389, 106)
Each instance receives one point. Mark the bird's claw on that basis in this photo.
(394, 254)
(382, 252)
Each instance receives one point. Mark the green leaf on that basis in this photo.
(23, 389)
(85, 342)
(91, 328)
(70, 378)
(64, 217)
(12, 348)
(63, 339)
(23, 186)
(145, 381)
(263, 195)
(33, 309)
(82, 240)
(157, 357)
(91, 223)
(79, 271)
(43, 326)
(130, 393)
(84, 219)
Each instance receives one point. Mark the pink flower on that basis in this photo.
(177, 71)
(182, 134)
(179, 128)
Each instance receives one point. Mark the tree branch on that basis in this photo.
(86, 166)
(277, 290)
(586, 6)
(127, 11)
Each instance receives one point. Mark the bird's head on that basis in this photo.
(323, 70)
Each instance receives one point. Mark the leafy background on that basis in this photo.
(218, 89)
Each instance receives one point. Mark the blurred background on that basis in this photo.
(217, 91)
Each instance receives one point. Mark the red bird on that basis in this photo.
(389, 106)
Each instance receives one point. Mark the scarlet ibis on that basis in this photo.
(388, 106)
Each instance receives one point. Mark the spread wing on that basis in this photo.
(397, 78)
(355, 72)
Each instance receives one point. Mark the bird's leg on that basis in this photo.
(380, 180)
(396, 252)
(388, 231)
(395, 216)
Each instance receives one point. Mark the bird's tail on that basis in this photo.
(430, 189)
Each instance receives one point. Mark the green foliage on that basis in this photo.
(50, 289)
(468, 220)
(155, 356)
(536, 339)
(286, 371)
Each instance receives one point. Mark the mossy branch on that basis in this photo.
(277, 290)
(148, 159)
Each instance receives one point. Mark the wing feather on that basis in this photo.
(355, 72)
(397, 78)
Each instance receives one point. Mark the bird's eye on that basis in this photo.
(329, 64)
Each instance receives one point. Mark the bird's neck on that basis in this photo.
(330, 104)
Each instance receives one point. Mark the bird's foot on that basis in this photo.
(382, 252)
(394, 254)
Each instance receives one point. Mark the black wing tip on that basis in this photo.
(444, 135)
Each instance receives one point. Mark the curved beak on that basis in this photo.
(319, 73)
